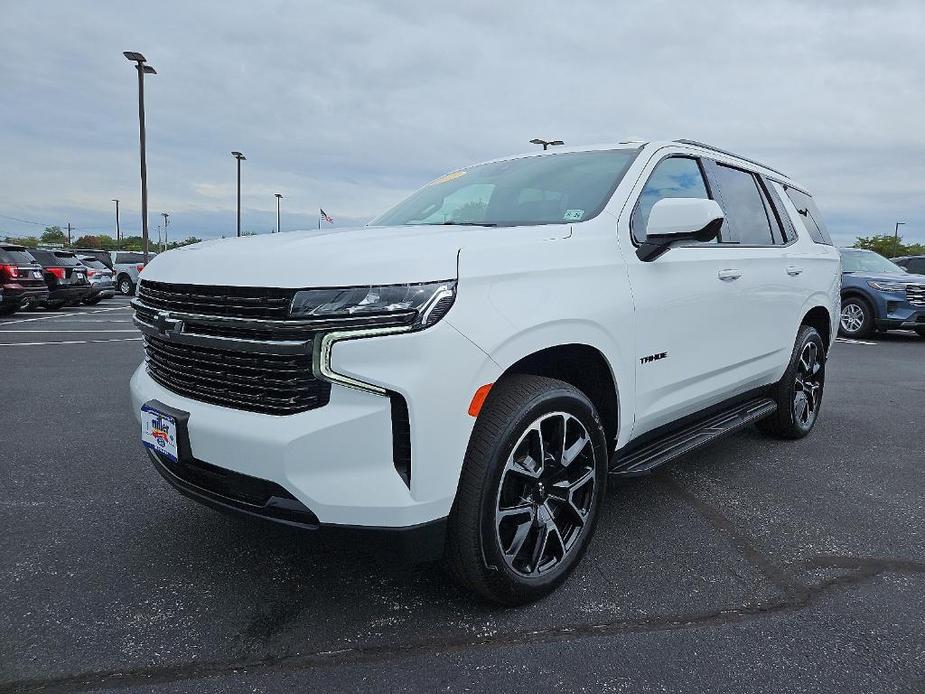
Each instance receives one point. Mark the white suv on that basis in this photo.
(460, 377)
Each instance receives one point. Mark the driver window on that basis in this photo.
(674, 177)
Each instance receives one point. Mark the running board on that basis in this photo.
(666, 449)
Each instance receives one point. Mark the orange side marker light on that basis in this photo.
(479, 399)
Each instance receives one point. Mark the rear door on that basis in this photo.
(772, 269)
(689, 304)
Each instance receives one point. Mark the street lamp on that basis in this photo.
(240, 157)
(278, 198)
(118, 233)
(896, 238)
(546, 143)
(165, 216)
(143, 70)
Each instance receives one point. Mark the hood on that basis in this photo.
(329, 258)
(889, 277)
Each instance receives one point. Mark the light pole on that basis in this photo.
(118, 232)
(240, 157)
(165, 216)
(143, 70)
(278, 198)
(896, 238)
(546, 143)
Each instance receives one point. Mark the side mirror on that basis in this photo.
(673, 220)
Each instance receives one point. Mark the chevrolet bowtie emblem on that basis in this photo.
(166, 325)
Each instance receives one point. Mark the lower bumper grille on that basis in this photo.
(254, 381)
(915, 294)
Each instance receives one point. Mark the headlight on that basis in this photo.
(888, 286)
(417, 305)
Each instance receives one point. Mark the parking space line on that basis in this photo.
(69, 342)
(849, 341)
(62, 315)
(58, 332)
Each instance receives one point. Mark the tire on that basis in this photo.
(93, 301)
(857, 318)
(8, 309)
(920, 331)
(799, 393)
(126, 286)
(54, 305)
(499, 474)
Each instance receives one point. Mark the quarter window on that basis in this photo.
(674, 177)
(809, 216)
(744, 205)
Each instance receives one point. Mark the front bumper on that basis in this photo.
(210, 486)
(337, 460)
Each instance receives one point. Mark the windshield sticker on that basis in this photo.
(573, 215)
(449, 177)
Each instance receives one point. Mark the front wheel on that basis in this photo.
(126, 287)
(530, 490)
(857, 318)
(799, 392)
(920, 331)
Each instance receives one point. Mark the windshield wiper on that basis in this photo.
(460, 224)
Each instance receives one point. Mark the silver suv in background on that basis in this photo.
(100, 277)
(126, 266)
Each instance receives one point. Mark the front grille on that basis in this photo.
(254, 381)
(261, 303)
(251, 493)
(915, 294)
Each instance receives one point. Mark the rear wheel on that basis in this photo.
(799, 392)
(530, 490)
(857, 318)
(8, 309)
(94, 300)
(54, 305)
(126, 286)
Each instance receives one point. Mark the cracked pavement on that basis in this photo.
(753, 565)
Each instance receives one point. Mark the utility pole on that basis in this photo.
(896, 238)
(278, 198)
(118, 231)
(240, 157)
(68, 233)
(165, 216)
(143, 70)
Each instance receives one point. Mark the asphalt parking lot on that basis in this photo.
(753, 566)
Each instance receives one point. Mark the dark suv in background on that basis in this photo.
(65, 276)
(21, 278)
(877, 294)
(912, 263)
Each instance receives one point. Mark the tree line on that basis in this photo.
(56, 236)
(889, 246)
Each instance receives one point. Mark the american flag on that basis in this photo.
(325, 217)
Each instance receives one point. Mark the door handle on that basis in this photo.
(729, 274)
(794, 270)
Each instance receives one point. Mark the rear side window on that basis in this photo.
(132, 257)
(744, 204)
(65, 259)
(809, 216)
(9, 256)
(674, 177)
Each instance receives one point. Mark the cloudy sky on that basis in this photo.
(350, 105)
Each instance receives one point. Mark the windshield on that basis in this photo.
(556, 189)
(868, 261)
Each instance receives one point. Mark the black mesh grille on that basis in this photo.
(253, 381)
(915, 294)
(264, 303)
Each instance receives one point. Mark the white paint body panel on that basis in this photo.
(520, 290)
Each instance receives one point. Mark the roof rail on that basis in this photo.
(731, 154)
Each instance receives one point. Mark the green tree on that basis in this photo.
(185, 242)
(88, 241)
(27, 241)
(54, 235)
(887, 246)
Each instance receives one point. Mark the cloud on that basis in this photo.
(349, 106)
